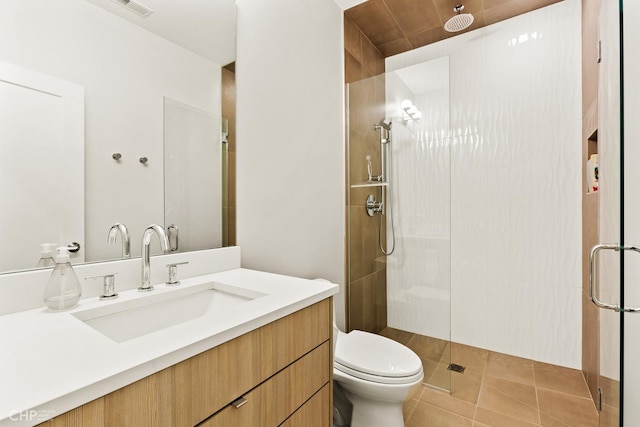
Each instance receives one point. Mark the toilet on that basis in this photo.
(376, 374)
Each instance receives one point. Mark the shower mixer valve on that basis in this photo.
(372, 206)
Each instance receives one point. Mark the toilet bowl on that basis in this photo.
(376, 374)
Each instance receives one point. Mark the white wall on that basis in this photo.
(516, 183)
(290, 167)
(125, 71)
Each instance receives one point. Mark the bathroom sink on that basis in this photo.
(144, 314)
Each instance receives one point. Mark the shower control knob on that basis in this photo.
(372, 206)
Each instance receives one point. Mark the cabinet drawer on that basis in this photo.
(315, 413)
(218, 376)
(274, 400)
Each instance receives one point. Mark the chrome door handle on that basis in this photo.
(593, 276)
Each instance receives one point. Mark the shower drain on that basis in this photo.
(456, 368)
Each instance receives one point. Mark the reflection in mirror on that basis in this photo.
(193, 177)
(117, 68)
(42, 178)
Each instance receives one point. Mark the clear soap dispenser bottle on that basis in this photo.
(63, 288)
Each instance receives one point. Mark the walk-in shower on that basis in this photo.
(481, 196)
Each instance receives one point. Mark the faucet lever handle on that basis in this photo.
(173, 271)
(109, 285)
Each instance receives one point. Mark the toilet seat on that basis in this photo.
(375, 358)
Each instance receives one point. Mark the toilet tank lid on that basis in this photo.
(376, 355)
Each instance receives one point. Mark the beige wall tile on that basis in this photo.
(380, 286)
(351, 68)
(352, 40)
(370, 245)
(356, 269)
(394, 47)
(232, 227)
(369, 317)
(372, 59)
(356, 304)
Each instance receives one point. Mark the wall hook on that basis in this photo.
(143, 160)
(116, 156)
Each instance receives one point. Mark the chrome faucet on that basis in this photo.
(124, 232)
(146, 242)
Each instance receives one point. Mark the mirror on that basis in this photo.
(101, 106)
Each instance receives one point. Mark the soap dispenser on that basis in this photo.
(46, 255)
(63, 288)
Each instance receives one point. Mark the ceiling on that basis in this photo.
(205, 27)
(396, 26)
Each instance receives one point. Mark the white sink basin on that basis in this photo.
(147, 313)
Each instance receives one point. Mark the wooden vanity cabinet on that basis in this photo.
(282, 369)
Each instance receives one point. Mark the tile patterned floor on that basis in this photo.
(496, 390)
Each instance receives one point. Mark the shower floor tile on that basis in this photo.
(495, 390)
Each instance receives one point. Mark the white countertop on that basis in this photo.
(51, 362)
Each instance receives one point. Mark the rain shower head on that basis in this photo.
(460, 21)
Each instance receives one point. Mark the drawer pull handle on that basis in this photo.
(239, 402)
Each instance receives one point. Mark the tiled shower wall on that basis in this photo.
(229, 197)
(590, 315)
(516, 126)
(367, 302)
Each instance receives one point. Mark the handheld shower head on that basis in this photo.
(385, 130)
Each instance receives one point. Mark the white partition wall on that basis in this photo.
(290, 166)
